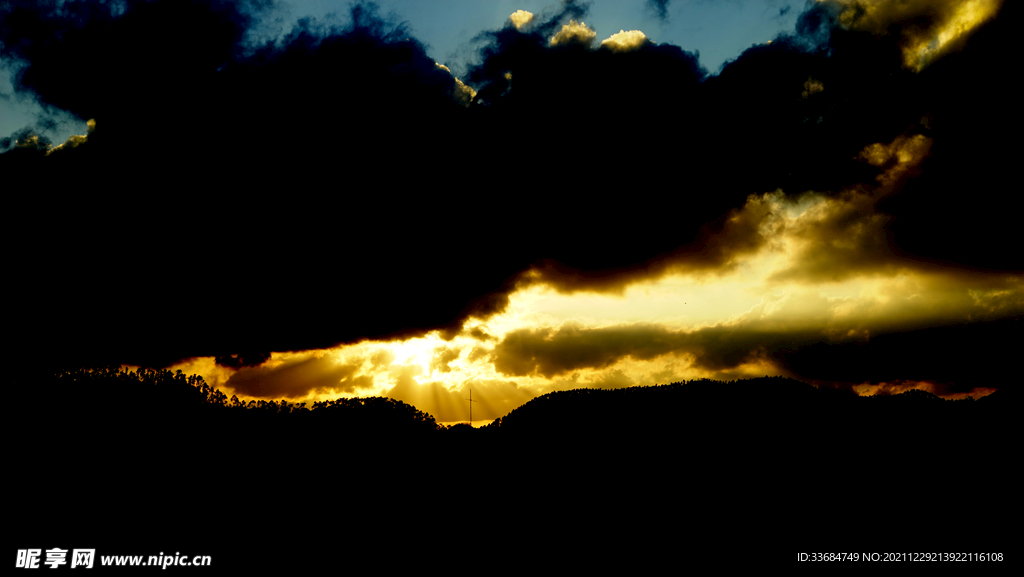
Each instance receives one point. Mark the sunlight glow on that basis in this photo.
(817, 272)
(967, 16)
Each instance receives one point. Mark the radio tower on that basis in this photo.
(471, 401)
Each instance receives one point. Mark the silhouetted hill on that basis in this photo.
(166, 461)
(665, 407)
(747, 410)
(742, 457)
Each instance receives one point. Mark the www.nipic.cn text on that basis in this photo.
(85, 558)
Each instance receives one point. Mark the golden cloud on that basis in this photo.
(835, 237)
(520, 18)
(75, 140)
(931, 27)
(574, 33)
(298, 376)
(463, 94)
(625, 41)
(812, 87)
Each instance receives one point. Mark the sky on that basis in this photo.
(312, 200)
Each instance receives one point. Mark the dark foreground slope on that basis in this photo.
(777, 465)
(749, 473)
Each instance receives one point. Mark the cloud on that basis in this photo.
(838, 238)
(265, 199)
(717, 248)
(300, 376)
(811, 87)
(479, 334)
(613, 380)
(74, 140)
(574, 33)
(462, 93)
(443, 357)
(660, 8)
(555, 351)
(238, 119)
(960, 356)
(27, 139)
(382, 359)
(552, 352)
(899, 387)
(477, 353)
(623, 41)
(521, 18)
(925, 28)
(890, 334)
(249, 359)
(899, 157)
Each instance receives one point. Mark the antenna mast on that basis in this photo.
(471, 401)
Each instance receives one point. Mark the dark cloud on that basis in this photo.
(112, 59)
(295, 378)
(716, 248)
(480, 334)
(243, 195)
(957, 357)
(555, 351)
(242, 360)
(659, 8)
(258, 169)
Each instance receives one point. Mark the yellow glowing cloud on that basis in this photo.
(74, 140)
(30, 141)
(905, 150)
(214, 375)
(521, 18)
(963, 20)
(625, 41)
(897, 387)
(574, 33)
(812, 87)
(951, 20)
(464, 94)
(842, 236)
(903, 154)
